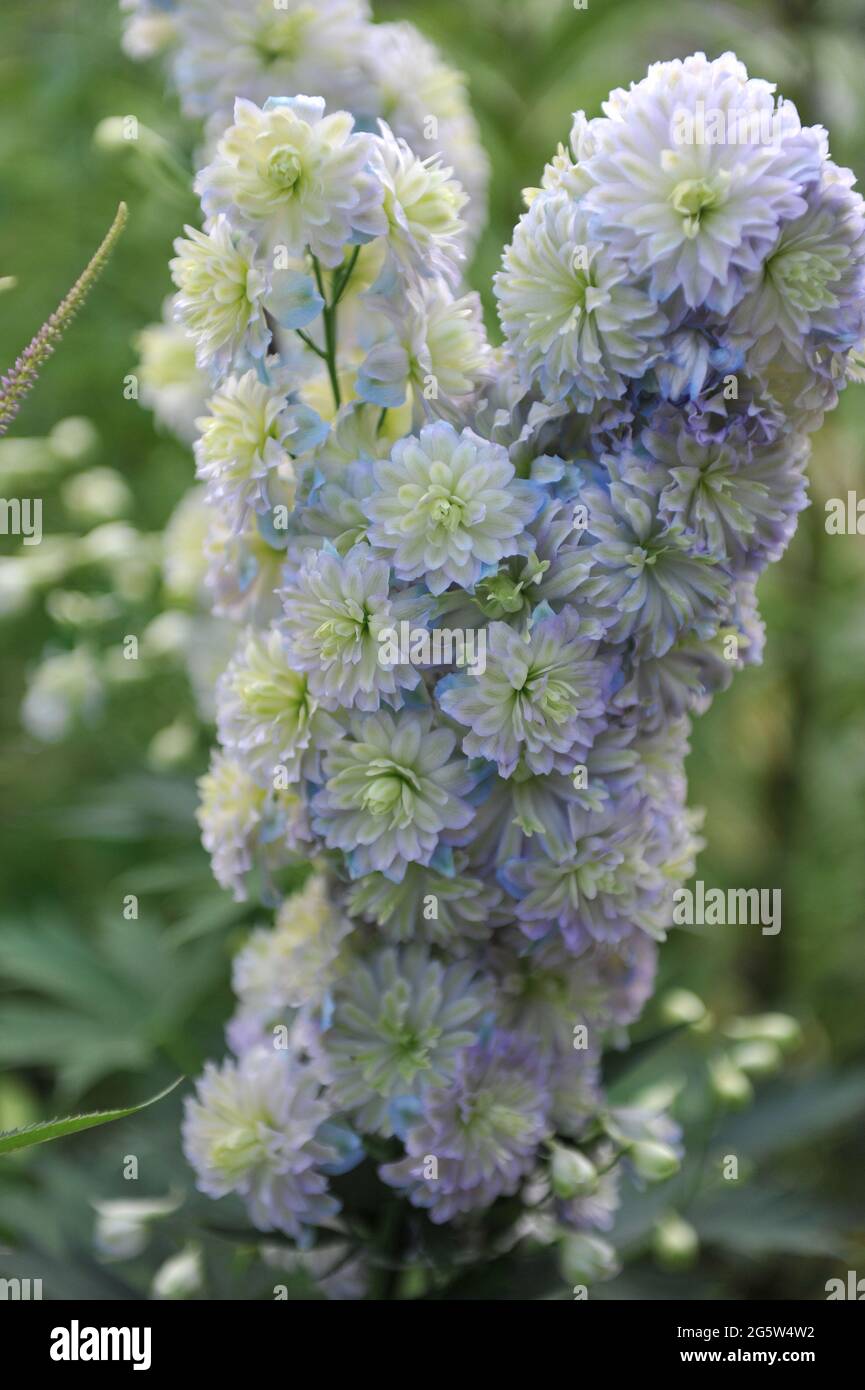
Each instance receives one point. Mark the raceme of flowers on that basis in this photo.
(328, 48)
(495, 842)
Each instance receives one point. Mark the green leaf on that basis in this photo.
(44, 1130)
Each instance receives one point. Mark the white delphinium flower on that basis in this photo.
(265, 710)
(422, 204)
(432, 349)
(220, 294)
(336, 609)
(247, 437)
(182, 1276)
(184, 558)
(691, 172)
(448, 506)
(252, 1128)
(292, 964)
(573, 317)
(400, 1021)
(67, 687)
(296, 175)
(121, 1228)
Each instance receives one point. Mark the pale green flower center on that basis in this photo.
(284, 169)
(349, 626)
(557, 700)
(694, 198)
(387, 787)
(267, 697)
(444, 509)
(237, 1152)
(804, 277)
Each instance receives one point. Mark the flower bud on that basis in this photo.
(682, 1006)
(674, 1242)
(653, 1161)
(571, 1173)
(729, 1083)
(179, 1277)
(587, 1259)
(776, 1028)
(757, 1058)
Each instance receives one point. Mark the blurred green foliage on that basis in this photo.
(100, 1010)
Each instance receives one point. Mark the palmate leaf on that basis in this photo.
(107, 1003)
(45, 1130)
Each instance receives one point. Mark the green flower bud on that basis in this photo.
(653, 1161)
(682, 1006)
(776, 1028)
(587, 1259)
(757, 1058)
(674, 1242)
(571, 1173)
(729, 1083)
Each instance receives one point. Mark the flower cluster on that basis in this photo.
(331, 48)
(480, 594)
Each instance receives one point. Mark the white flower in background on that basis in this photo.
(297, 175)
(422, 204)
(171, 383)
(184, 559)
(573, 317)
(242, 441)
(65, 689)
(257, 49)
(291, 964)
(149, 30)
(220, 293)
(230, 811)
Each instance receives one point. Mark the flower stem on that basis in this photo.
(329, 315)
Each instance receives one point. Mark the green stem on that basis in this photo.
(385, 1275)
(313, 347)
(329, 315)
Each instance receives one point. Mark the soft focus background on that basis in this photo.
(100, 1007)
